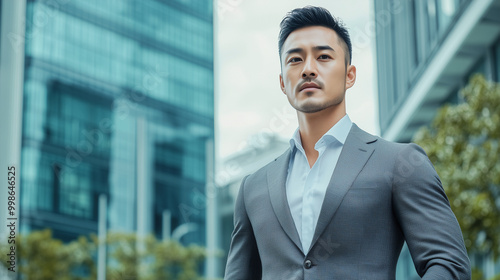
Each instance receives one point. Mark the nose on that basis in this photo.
(309, 69)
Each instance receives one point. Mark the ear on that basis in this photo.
(350, 76)
(282, 84)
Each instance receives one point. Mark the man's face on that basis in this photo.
(314, 72)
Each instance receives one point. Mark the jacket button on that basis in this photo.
(308, 264)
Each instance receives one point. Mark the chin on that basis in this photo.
(310, 107)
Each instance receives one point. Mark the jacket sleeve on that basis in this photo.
(423, 211)
(243, 261)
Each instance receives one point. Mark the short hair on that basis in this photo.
(313, 16)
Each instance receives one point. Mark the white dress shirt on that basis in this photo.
(306, 186)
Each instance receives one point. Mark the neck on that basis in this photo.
(314, 125)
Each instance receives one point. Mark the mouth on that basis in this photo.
(309, 86)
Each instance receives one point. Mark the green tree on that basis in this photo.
(42, 257)
(152, 259)
(463, 144)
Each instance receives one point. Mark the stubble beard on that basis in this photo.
(312, 107)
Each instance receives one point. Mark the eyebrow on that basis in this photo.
(316, 48)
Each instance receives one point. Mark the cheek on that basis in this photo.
(289, 81)
(336, 77)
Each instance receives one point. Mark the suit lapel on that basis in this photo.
(276, 180)
(353, 157)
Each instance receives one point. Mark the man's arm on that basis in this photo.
(430, 228)
(243, 261)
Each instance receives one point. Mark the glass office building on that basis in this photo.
(118, 100)
(426, 52)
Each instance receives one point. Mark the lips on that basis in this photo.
(309, 85)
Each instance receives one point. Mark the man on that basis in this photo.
(339, 203)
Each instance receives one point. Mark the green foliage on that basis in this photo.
(41, 257)
(463, 144)
(152, 259)
(477, 274)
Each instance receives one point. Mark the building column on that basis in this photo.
(12, 34)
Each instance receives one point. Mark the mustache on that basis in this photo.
(308, 80)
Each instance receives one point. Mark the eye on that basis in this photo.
(294, 59)
(324, 56)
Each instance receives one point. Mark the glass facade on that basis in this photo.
(479, 68)
(406, 44)
(98, 74)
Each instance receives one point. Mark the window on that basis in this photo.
(414, 36)
(74, 120)
(74, 193)
(422, 42)
(446, 11)
(432, 21)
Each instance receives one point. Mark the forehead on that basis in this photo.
(311, 36)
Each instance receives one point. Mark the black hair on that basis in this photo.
(313, 16)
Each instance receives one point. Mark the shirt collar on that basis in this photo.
(338, 132)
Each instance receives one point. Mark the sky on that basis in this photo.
(249, 103)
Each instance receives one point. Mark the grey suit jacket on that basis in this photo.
(380, 195)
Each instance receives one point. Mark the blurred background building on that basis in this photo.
(426, 52)
(118, 100)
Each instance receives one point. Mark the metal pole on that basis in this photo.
(142, 186)
(141, 165)
(212, 228)
(166, 224)
(102, 232)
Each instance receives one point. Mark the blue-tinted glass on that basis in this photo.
(479, 68)
(432, 20)
(446, 10)
(94, 69)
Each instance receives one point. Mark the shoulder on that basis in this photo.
(367, 137)
(403, 150)
(387, 148)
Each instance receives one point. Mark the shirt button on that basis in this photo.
(308, 264)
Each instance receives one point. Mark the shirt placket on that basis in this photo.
(308, 225)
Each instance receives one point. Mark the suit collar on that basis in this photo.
(361, 135)
(276, 181)
(355, 153)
